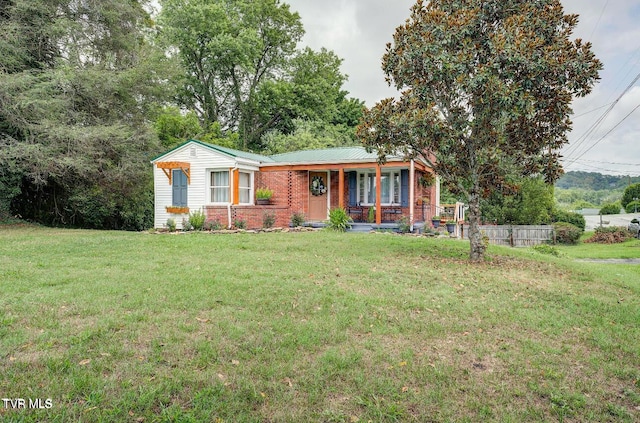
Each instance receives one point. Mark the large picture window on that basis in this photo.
(390, 188)
(220, 187)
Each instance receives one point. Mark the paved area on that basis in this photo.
(610, 220)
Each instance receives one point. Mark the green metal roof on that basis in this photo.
(354, 154)
(224, 150)
(328, 155)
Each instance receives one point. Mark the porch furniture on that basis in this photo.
(391, 214)
(356, 213)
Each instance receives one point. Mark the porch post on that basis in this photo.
(412, 192)
(378, 194)
(341, 188)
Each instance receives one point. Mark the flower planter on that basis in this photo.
(263, 201)
(435, 223)
(177, 210)
(451, 227)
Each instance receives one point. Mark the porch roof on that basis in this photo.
(329, 155)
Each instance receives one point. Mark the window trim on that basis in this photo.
(249, 188)
(211, 187)
(393, 173)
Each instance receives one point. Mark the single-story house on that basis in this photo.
(222, 182)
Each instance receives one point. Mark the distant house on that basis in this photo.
(222, 182)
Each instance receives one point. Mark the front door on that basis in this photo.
(318, 195)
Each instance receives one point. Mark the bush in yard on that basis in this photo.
(268, 220)
(633, 207)
(611, 208)
(197, 219)
(569, 217)
(566, 233)
(171, 224)
(339, 219)
(212, 225)
(610, 235)
(297, 219)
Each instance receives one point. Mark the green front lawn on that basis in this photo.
(321, 327)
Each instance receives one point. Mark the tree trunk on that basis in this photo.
(475, 236)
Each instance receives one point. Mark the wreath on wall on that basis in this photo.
(317, 186)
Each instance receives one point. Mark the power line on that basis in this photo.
(599, 18)
(573, 148)
(609, 132)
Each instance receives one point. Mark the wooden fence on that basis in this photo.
(515, 235)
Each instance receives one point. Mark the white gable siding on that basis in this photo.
(201, 160)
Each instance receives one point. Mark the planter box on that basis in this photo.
(177, 210)
(263, 201)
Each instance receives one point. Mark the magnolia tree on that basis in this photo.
(486, 91)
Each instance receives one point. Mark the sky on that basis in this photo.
(606, 131)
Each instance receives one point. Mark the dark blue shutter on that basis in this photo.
(180, 187)
(404, 188)
(353, 189)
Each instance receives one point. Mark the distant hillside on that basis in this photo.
(594, 181)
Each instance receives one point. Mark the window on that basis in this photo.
(244, 188)
(179, 188)
(390, 188)
(220, 187)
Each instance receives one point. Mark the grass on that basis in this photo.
(325, 327)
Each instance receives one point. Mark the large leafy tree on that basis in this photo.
(242, 68)
(75, 97)
(486, 92)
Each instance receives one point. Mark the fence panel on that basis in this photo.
(514, 235)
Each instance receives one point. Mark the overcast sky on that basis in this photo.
(358, 30)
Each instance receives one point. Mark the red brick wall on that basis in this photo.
(291, 195)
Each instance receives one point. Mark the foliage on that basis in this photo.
(575, 219)
(531, 204)
(633, 207)
(213, 225)
(547, 249)
(264, 193)
(404, 226)
(240, 223)
(580, 198)
(487, 88)
(566, 233)
(339, 219)
(371, 215)
(612, 208)
(268, 220)
(78, 87)
(171, 224)
(630, 194)
(197, 219)
(308, 135)
(173, 127)
(593, 181)
(297, 219)
(609, 235)
(241, 67)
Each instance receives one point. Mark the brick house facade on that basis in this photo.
(222, 183)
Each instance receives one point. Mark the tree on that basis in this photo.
(228, 49)
(242, 68)
(486, 91)
(75, 141)
(532, 204)
(308, 135)
(631, 193)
